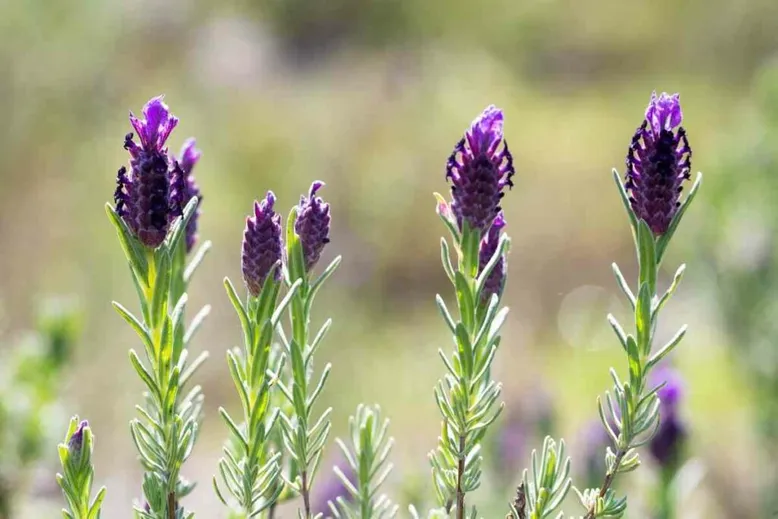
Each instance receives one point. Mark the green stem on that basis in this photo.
(665, 498)
(300, 320)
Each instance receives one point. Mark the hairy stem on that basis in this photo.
(460, 475)
(609, 477)
(171, 505)
(305, 491)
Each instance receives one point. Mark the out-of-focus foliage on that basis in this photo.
(30, 374)
(742, 252)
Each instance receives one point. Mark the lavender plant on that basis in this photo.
(480, 167)
(304, 437)
(155, 217)
(75, 455)
(252, 471)
(658, 163)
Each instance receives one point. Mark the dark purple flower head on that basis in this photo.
(658, 162)
(184, 187)
(494, 283)
(666, 445)
(331, 488)
(313, 225)
(479, 169)
(76, 442)
(261, 245)
(143, 196)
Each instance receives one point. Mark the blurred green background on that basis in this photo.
(370, 96)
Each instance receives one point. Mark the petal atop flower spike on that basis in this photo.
(479, 169)
(156, 126)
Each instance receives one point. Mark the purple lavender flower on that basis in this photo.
(143, 196)
(668, 441)
(76, 442)
(495, 281)
(658, 161)
(184, 187)
(261, 244)
(331, 488)
(479, 169)
(313, 225)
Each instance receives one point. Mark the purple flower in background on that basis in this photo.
(143, 196)
(313, 225)
(261, 249)
(658, 162)
(479, 169)
(512, 443)
(594, 440)
(496, 280)
(330, 488)
(76, 442)
(666, 444)
(184, 187)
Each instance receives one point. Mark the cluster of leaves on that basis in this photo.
(167, 428)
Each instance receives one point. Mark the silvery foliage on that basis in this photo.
(167, 428)
(630, 411)
(367, 456)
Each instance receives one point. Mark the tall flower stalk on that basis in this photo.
(153, 216)
(252, 470)
(658, 162)
(304, 435)
(248, 470)
(479, 168)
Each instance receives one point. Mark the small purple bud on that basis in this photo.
(143, 198)
(261, 245)
(184, 187)
(76, 442)
(331, 488)
(658, 162)
(479, 169)
(313, 225)
(496, 280)
(668, 441)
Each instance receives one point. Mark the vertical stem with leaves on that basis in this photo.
(479, 168)
(304, 436)
(659, 156)
(166, 432)
(75, 455)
